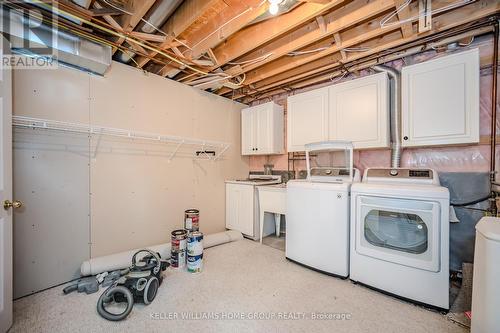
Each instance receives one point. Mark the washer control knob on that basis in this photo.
(393, 172)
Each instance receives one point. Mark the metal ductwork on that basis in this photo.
(83, 3)
(68, 49)
(156, 17)
(159, 15)
(395, 113)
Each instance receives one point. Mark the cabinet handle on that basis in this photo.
(405, 138)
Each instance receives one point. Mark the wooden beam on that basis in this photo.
(351, 14)
(235, 16)
(485, 61)
(425, 21)
(138, 8)
(285, 69)
(228, 25)
(443, 22)
(338, 44)
(149, 37)
(105, 11)
(404, 14)
(321, 24)
(183, 17)
(212, 56)
(258, 34)
(111, 21)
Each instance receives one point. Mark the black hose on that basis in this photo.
(107, 297)
(470, 203)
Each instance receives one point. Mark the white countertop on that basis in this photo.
(274, 187)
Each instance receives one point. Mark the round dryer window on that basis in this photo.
(397, 231)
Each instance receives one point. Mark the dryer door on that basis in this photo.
(402, 231)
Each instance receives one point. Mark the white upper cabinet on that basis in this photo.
(356, 110)
(440, 101)
(307, 118)
(359, 111)
(262, 129)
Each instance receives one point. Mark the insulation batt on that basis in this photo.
(123, 259)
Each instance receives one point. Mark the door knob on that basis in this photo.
(14, 204)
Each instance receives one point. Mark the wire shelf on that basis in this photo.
(37, 123)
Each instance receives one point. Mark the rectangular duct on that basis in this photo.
(28, 35)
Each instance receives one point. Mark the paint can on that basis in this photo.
(195, 243)
(195, 263)
(178, 259)
(192, 220)
(178, 248)
(179, 240)
(195, 252)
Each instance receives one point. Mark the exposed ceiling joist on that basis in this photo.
(341, 19)
(256, 35)
(349, 15)
(183, 17)
(126, 23)
(461, 16)
(237, 15)
(236, 46)
(404, 14)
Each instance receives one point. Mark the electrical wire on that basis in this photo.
(226, 23)
(120, 35)
(60, 24)
(148, 23)
(334, 79)
(252, 61)
(132, 14)
(298, 53)
(466, 44)
(357, 49)
(384, 22)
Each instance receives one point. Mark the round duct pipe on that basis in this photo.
(395, 113)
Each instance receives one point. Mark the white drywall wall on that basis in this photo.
(124, 193)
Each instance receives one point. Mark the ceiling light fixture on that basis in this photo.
(274, 6)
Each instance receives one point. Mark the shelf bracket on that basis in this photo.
(175, 151)
(221, 152)
(98, 141)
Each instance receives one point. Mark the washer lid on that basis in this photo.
(489, 227)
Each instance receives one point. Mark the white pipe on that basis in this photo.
(123, 259)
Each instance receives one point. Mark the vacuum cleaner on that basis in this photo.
(139, 284)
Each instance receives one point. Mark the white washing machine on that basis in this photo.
(400, 234)
(317, 219)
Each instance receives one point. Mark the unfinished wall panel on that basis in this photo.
(51, 178)
(138, 194)
(114, 193)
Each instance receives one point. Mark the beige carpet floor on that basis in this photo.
(240, 278)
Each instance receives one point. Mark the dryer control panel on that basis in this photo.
(401, 175)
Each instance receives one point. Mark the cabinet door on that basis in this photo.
(246, 210)
(440, 100)
(247, 132)
(359, 111)
(240, 208)
(263, 128)
(307, 118)
(232, 198)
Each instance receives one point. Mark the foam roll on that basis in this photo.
(122, 260)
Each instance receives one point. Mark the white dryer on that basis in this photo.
(400, 234)
(317, 219)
